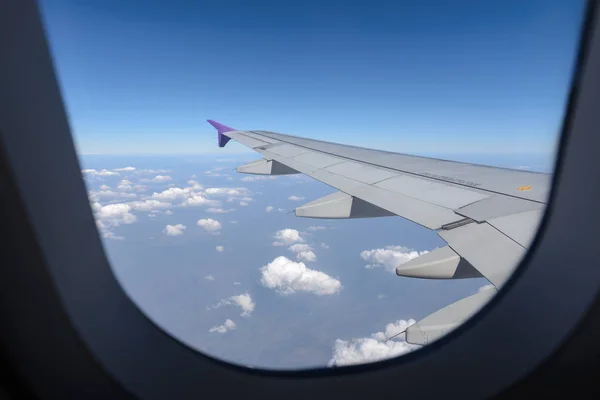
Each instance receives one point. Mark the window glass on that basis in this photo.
(217, 258)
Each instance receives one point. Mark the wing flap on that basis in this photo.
(491, 252)
(520, 227)
(447, 319)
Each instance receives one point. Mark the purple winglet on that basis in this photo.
(221, 129)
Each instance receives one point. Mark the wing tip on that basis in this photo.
(221, 129)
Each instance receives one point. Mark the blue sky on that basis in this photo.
(421, 77)
(205, 252)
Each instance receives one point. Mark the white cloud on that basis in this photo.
(243, 203)
(390, 257)
(111, 235)
(303, 252)
(125, 184)
(227, 191)
(315, 228)
(308, 256)
(299, 247)
(287, 236)
(288, 277)
(269, 208)
(295, 198)
(172, 194)
(227, 326)
(209, 278)
(162, 178)
(113, 215)
(258, 178)
(151, 171)
(148, 205)
(280, 209)
(243, 301)
(485, 287)
(102, 172)
(104, 187)
(199, 200)
(381, 296)
(237, 283)
(174, 230)
(96, 195)
(220, 249)
(209, 225)
(215, 210)
(377, 347)
(168, 212)
(324, 245)
(125, 169)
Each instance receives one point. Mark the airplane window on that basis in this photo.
(296, 186)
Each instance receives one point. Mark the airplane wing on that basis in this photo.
(487, 215)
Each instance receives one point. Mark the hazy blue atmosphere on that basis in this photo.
(208, 253)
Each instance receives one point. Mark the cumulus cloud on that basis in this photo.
(255, 178)
(174, 230)
(209, 225)
(308, 256)
(102, 172)
(269, 208)
(324, 245)
(303, 252)
(111, 235)
(390, 257)
(485, 287)
(287, 236)
(104, 187)
(243, 203)
(125, 184)
(227, 326)
(227, 191)
(150, 171)
(237, 283)
(295, 198)
(172, 194)
(379, 346)
(209, 278)
(113, 215)
(109, 194)
(148, 205)
(243, 301)
(287, 277)
(220, 249)
(315, 228)
(162, 178)
(125, 169)
(216, 210)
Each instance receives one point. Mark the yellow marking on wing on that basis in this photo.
(524, 188)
